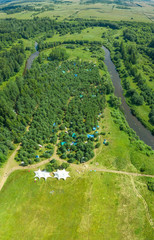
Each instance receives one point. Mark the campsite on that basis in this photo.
(76, 120)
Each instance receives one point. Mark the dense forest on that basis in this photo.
(73, 115)
(38, 96)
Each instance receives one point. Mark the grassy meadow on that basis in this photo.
(76, 10)
(89, 205)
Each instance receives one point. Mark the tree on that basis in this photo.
(137, 99)
(114, 101)
(59, 54)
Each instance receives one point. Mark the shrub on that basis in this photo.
(150, 185)
(97, 145)
(64, 165)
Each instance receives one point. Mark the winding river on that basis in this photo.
(143, 133)
(32, 57)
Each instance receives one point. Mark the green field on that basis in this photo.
(89, 205)
(102, 199)
(98, 11)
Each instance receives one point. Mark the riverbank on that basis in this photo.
(143, 133)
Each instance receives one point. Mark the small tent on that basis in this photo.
(61, 174)
(42, 174)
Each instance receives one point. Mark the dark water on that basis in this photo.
(143, 133)
(32, 57)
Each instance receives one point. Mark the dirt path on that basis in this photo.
(80, 167)
(144, 202)
(8, 167)
(11, 164)
(122, 172)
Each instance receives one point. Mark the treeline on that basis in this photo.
(11, 9)
(10, 61)
(129, 55)
(13, 29)
(45, 45)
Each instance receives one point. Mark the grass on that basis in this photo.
(129, 158)
(78, 52)
(91, 34)
(89, 205)
(86, 206)
(97, 11)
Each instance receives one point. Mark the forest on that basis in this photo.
(24, 100)
(59, 110)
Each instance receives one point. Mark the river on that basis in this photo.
(143, 133)
(32, 57)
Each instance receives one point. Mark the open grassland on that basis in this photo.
(120, 153)
(79, 52)
(91, 34)
(98, 11)
(89, 205)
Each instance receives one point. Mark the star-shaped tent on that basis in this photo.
(61, 174)
(42, 174)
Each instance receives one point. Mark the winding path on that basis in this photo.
(144, 202)
(84, 166)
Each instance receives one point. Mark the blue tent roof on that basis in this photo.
(62, 143)
(75, 75)
(37, 156)
(90, 136)
(73, 135)
(94, 128)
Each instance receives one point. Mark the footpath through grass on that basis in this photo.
(88, 205)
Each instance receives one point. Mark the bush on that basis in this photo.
(97, 145)
(103, 133)
(150, 185)
(64, 165)
(71, 160)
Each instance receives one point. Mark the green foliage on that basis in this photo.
(11, 61)
(59, 54)
(64, 165)
(97, 145)
(114, 101)
(2, 158)
(150, 185)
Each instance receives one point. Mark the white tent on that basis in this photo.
(61, 174)
(42, 174)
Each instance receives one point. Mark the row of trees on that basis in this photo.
(10, 61)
